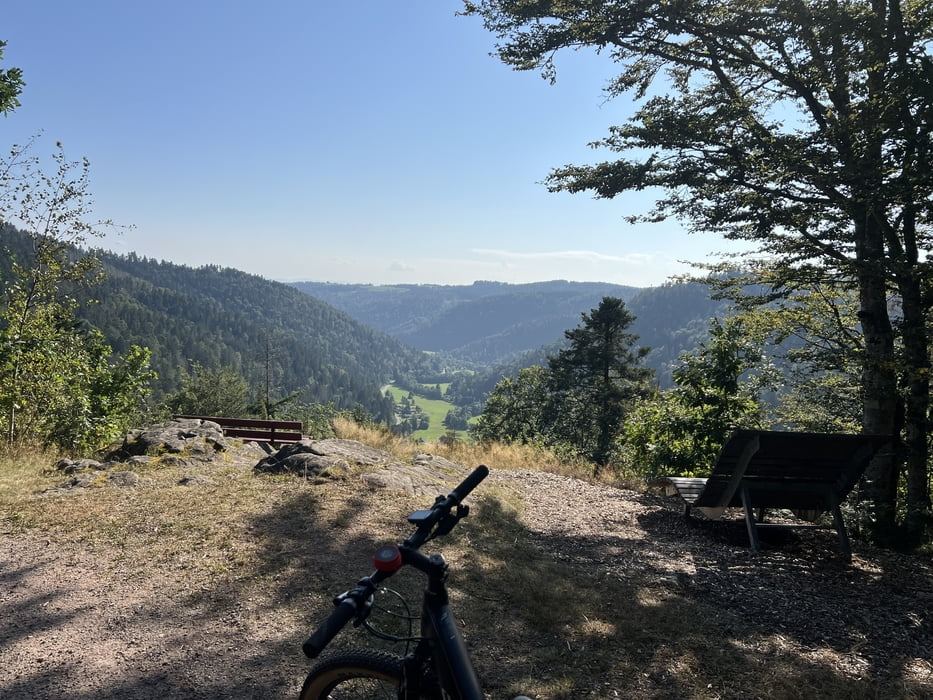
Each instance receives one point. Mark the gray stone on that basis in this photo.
(314, 457)
(124, 479)
(351, 450)
(419, 479)
(74, 466)
(196, 480)
(182, 435)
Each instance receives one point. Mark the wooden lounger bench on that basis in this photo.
(806, 473)
(259, 430)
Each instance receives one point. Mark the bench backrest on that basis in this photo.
(789, 469)
(259, 429)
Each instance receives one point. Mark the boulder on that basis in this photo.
(313, 458)
(350, 450)
(197, 438)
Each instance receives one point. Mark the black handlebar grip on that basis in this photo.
(470, 483)
(329, 629)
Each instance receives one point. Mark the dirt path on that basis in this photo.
(78, 624)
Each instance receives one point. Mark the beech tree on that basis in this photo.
(802, 126)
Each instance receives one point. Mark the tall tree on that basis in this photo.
(801, 125)
(596, 380)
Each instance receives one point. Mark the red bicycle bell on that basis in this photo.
(388, 559)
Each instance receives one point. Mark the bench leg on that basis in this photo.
(750, 519)
(841, 529)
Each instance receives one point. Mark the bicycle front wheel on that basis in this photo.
(354, 675)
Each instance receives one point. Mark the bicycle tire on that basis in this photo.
(354, 675)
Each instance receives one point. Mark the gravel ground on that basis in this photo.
(75, 624)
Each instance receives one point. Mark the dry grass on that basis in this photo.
(536, 622)
(507, 457)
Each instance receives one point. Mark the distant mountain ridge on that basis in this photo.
(494, 324)
(483, 324)
(340, 344)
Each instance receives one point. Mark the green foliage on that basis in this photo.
(719, 388)
(206, 391)
(59, 381)
(515, 408)
(458, 418)
(100, 399)
(360, 416)
(817, 328)
(576, 404)
(11, 85)
(317, 419)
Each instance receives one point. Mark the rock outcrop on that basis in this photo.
(195, 444)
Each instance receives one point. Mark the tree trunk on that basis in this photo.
(917, 405)
(879, 381)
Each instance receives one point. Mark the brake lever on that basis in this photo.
(362, 595)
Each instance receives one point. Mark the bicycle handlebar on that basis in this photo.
(329, 628)
(468, 484)
(350, 604)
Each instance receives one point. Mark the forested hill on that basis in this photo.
(219, 316)
(485, 323)
(670, 319)
(271, 333)
(496, 325)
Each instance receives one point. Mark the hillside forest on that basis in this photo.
(218, 341)
(815, 152)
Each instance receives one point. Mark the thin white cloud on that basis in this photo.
(569, 255)
(399, 266)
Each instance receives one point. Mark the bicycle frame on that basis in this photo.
(439, 667)
(441, 641)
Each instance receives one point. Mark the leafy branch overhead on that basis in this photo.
(11, 85)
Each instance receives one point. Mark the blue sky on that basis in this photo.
(364, 141)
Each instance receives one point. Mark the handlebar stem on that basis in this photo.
(434, 566)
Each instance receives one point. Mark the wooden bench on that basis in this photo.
(256, 429)
(805, 473)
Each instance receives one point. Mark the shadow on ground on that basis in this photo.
(667, 610)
